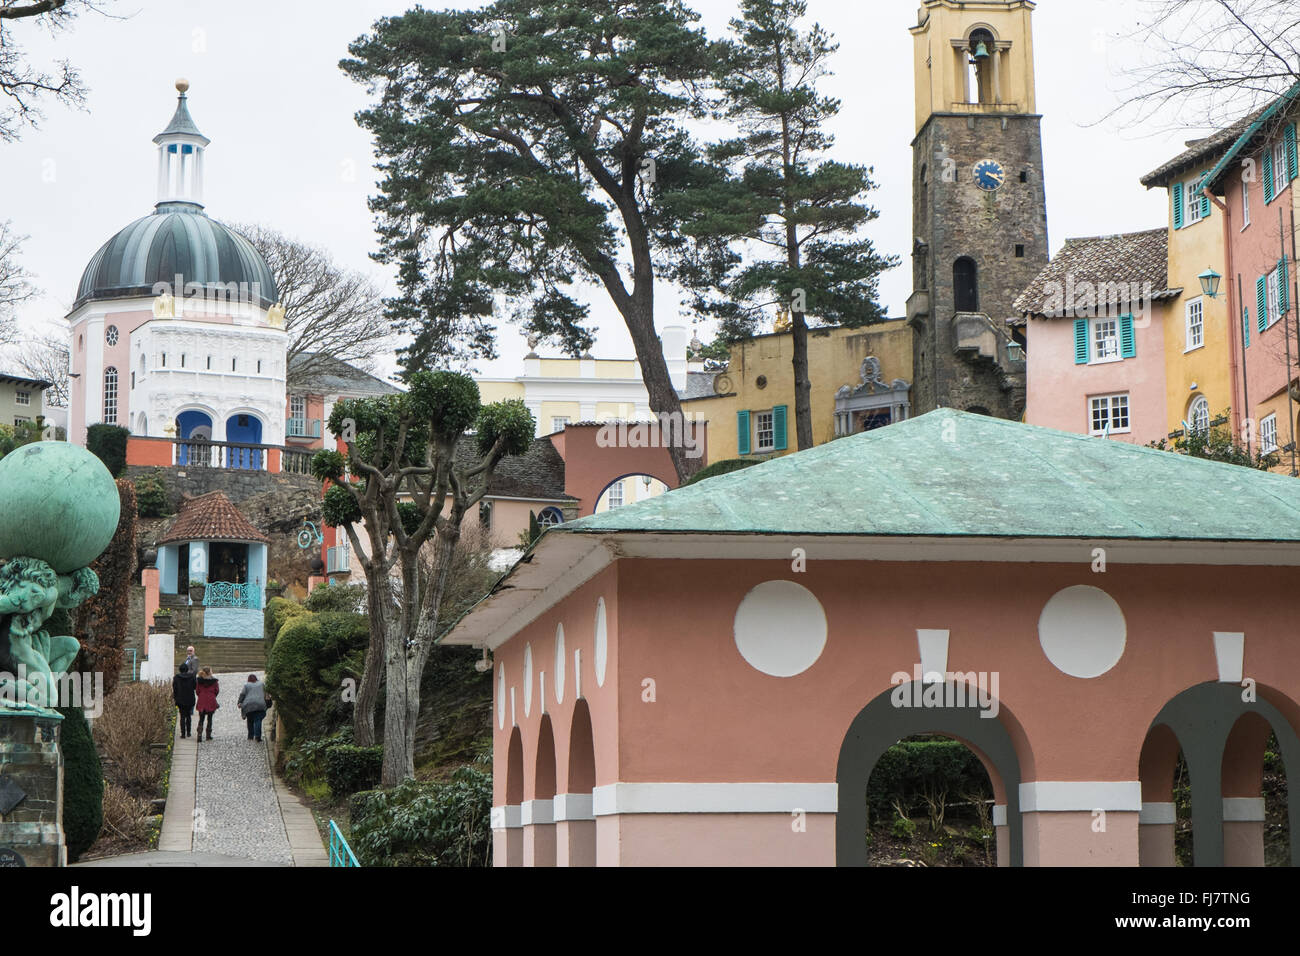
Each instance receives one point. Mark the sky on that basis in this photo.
(286, 151)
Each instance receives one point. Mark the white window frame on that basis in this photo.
(1192, 204)
(110, 396)
(558, 422)
(22, 398)
(1274, 285)
(1095, 327)
(1197, 307)
(1199, 402)
(1110, 406)
(1245, 203)
(1280, 180)
(764, 422)
(1268, 434)
(298, 406)
(615, 500)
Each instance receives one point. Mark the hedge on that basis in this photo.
(311, 657)
(83, 784)
(108, 444)
(724, 467)
(350, 769)
(906, 770)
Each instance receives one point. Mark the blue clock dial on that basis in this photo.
(989, 174)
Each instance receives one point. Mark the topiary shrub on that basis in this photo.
(83, 784)
(425, 824)
(724, 467)
(348, 598)
(311, 657)
(350, 769)
(278, 612)
(108, 444)
(151, 494)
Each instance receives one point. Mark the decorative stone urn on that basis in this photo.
(198, 591)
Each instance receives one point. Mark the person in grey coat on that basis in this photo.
(253, 702)
(192, 661)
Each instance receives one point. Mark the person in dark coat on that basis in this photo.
(253, 701)
(207, 688)
(183, 695)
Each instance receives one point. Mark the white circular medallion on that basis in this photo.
(501, 696)
(602, 643)
(1082, 631)
(528, 679)
(559, 663)
(780, 628)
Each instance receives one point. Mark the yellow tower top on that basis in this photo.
(973, 56)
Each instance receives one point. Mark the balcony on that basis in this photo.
(220, 454)
(302, 428)
(232, 594)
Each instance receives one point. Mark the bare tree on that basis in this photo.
(24, 86)
(329, 312)
(1203, 63)
(47, 358)
(15, 282)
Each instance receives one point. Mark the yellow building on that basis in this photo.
(1198, 351)
(860, 380)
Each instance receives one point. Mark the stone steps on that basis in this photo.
(227, 654)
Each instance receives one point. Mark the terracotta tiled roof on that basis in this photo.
(211, 517)
(1131, 261)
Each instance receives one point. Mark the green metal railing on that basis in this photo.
(232, 594)
(340, 853)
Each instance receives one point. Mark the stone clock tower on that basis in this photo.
(979, 210)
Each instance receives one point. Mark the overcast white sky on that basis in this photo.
(266, 88)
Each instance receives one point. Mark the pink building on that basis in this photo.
(1094, 337)
(709, 677)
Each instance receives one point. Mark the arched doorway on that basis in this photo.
(539, 824)
(514, 834)
(882, 723)
(194, 428)
(244, 429)
(627, 490)
(577, 837)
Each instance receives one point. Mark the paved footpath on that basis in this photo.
(224, 805)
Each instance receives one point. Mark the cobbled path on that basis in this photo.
(236, 812)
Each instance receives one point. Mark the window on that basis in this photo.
(1274, 297)
(1108, 414)
(1193, 206)
(550, 517)
(22, 398)
(1280, 179)
(1198, 414)
(20, 420)
(182, 360)
(233, 364)
(209, 363)
(1024, 175)
(133, 379)
(1020, 251)
(558, 422)
(110, 335)
(1105, 340)
(764, 432)
(965, 285)
(1268, 434)
(1195, 325)
(164, 360)
(297, 406)
(259, 366)
(616, 495)
(485, 515)
(1245, 203)
(110, 396)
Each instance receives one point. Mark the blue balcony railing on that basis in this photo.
(232, 594)
(340, 853)
(303, 428)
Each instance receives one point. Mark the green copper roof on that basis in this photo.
(951, 473)
(181, 122)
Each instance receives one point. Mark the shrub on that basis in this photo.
(278, 611)
(724, 467)
(304, 763)
(903, 828)
(350, 769)
(305, 669)
(916, 771)
(136, 717)
(151, 494)
(125, 817)
(108, 444)
(347, 598)
(425, 824)
(83, 784)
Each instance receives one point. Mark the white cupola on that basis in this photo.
(180, 156)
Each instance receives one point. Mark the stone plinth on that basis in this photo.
(31, 790)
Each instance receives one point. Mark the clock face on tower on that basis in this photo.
(989, 174)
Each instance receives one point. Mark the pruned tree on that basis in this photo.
(15, 282)
(399, 480)
(23, 86)
(805, 211)
(329, 312)
(47, 357)
(528, 146)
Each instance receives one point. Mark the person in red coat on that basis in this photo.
(207, 687)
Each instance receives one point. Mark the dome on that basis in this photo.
(177, 239)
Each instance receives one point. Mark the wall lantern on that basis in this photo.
(1210, 283)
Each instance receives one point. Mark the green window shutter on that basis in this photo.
(1080, 341)
(1283, 298)
(1288, 134)
(778, 428)
(1127, 344)
(1245, 325)
(1177, 189)
(1268, 174)
(742, 433)
(1261, 303)
(1205, 207)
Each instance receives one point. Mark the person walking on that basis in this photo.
(192, 661)
(207, 688)
(253, 702)
(183, 695)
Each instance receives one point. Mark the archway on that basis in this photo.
(1221, 750)
(576, 835)
(628, 489)
(193, 426)
(244, 428)
(539, 820)
(882, 723)
(513, 848)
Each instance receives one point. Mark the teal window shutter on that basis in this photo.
(1268, 174)
(1205, 206)
(1283, 299)
(1080, 341)
(1288, 134)
(1261, 303)
(1127, 344)
(1177, 189)
(1245, 325)
(742, 433)
(778, 428)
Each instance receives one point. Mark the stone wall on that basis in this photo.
(31, 773)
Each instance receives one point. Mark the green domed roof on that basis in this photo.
(177, 239)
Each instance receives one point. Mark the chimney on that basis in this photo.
(673, 340)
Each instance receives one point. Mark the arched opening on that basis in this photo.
(949, 709)
(244, 429)
(1198, 414)
(629, 489)
(110, 396)
(981, 81)
(539, 820)
(930, 800)
(1162, 773)
(194, 428)
(576, 834)
(965, 285)
(1255, 820)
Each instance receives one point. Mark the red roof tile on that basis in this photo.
(211, 517)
